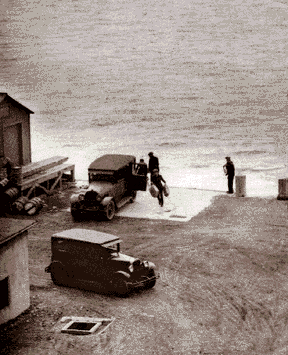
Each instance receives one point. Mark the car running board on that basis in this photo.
(123, 201)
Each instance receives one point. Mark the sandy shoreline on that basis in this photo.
(223, 285)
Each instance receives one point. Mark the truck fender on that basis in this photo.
(122, 273)
(74, 198)
(106, 200)
(150, 265)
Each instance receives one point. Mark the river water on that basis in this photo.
(192, 81)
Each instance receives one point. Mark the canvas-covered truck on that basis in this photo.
(92, 260)
(113, 182)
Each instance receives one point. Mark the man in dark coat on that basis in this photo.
(153, 162)
(141, 168)
(157, 179)
(229, 170)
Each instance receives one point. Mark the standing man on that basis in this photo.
(229, 170)
(141, 168)
(153, 163)
(157, 179)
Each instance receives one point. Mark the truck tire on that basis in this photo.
(120, 285)
(58, 274)
(109, 212)
(133, 196)
(76, 216)
(151, 283)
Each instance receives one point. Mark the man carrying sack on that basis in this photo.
(156, 179)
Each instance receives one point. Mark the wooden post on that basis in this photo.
(241, 185)
(282, 189)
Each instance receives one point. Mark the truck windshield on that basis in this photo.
(101, 177)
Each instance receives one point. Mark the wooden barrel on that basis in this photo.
(33, 205)
(3, 173)
(11, 194)
(16, 175)
(19, 204)
(3, 184)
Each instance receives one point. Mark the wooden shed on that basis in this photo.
(15, 138)
(14, 272)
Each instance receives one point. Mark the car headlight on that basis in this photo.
(131, 268)
(98, 198)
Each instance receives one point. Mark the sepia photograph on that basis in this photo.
(143, 177)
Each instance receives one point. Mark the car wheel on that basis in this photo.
(133, 196)
(152, 283)
(120, 285)
(59, 275)
(76, 215)
(110, 211)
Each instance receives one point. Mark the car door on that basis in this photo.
(120, 186)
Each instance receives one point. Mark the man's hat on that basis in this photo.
(151, 153)
(227, 158)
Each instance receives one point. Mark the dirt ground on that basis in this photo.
(223, 286)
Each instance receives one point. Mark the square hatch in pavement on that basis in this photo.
(81, 328)
(84, 325)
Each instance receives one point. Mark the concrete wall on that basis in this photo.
(14, 264)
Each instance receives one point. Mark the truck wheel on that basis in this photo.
(59, 275)
(152, 283)
(120, 285)
(110, 211)
(75, 215)
(133, 196)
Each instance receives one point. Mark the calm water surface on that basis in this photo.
(191, 81)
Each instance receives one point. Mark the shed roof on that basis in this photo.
(5, 97)
(111, 162)
(87, 235)
(10, 228)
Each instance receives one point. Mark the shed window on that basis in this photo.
(4, 292)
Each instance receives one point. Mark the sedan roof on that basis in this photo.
(87, 235)
(112, 162)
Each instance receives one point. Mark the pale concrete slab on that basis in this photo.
(181, 205)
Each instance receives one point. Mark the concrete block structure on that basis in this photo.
(14, 273)
(282, 189)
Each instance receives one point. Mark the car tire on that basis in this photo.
(133, 196)
(59, 275)
(110, 211)
(120, 285)
(75, 215)
(152, 283)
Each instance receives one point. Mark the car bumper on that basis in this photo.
(142, 283)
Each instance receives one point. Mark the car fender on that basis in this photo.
(150, 265)
(122, 273)
(106, 200)
(56, 264)
(74, 198)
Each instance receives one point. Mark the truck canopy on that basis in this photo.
(87, 235)
(112, 162)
